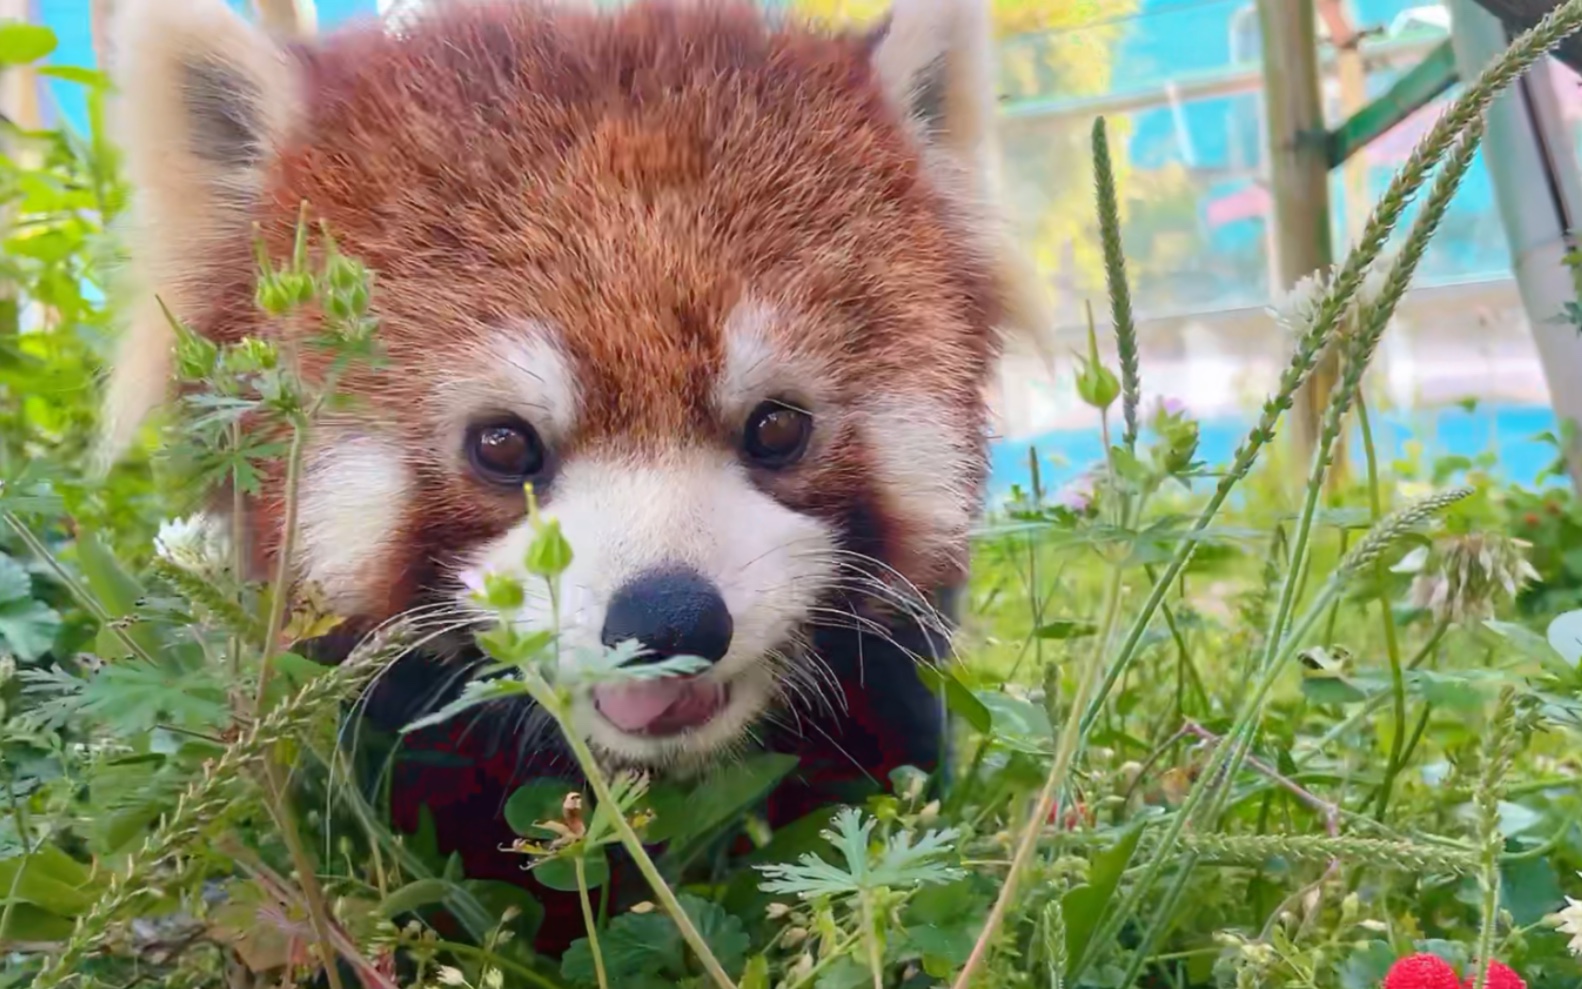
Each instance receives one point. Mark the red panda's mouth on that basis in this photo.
(656, 708)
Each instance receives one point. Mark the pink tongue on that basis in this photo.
(659, 707)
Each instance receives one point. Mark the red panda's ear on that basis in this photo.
(935, 60)
(204, 98)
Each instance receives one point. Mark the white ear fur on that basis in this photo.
(935, 60)
(204, 96)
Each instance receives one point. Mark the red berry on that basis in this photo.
(1421, 971)
(1500, 977)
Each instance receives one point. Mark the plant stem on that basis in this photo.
(307, 872)
(870, 935)
(1392, 644)
(238, 540)
(1065, 753)
(1499, 748)
(82, 595)
(588, 921)
(498, 961)
(281, 590)
(825, 962)
(629, 839)
(19, 816)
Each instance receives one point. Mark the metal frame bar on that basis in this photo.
(1426, 81)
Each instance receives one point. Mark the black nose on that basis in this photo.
(671, 613)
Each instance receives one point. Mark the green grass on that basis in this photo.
(1276, 732)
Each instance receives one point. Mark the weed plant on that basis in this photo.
(1272, 740)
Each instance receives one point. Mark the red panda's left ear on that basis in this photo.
(935, 61)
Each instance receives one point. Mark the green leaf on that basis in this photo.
(958, 698)
(1530, 890)
(77, 74)
(117, 591)
(15, 584)
(50, 880)
(1065, 628)
(1448, 690)
(418, 893)
(1019, 725)
(561, 873)
(1366, 966)
(952, 944)
(1565, 637)
(723, 933)
(24, 43)
(135, 696)
(27, 626)
(633, 946)
(1329, 688)
(475, 693)
(494, 898)
(685, 815)
(1085, 906)
(845, 973)
(756, 975)
(29, 923)
(110, 582)
(534, 801)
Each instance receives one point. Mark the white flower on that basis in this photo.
(1569, 921)
(448, 976)
(199, 543)
(1376, 276)
(493, 978)
(1296, 309)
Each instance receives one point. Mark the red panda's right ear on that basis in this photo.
(205, 96)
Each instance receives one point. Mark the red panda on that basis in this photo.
(727, 290)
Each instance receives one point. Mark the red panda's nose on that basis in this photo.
(670, 612)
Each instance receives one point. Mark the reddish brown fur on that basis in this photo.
(626, 178)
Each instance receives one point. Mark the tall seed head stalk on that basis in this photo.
(1500, 745)
(208, 800)
(1115, 278)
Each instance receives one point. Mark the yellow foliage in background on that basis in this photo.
(1050, 49)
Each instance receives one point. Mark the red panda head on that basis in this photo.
(727, 292)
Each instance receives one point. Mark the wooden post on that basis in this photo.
(101, 13)
(1299, 178)
(287, 17)
(1353, 77)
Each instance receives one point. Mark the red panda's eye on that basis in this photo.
(508, 452)
(776, 434)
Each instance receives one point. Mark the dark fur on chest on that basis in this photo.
(460, 774)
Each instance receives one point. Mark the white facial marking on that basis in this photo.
(759, 365)
(354, 494)
(690, 508)
(523, 371)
